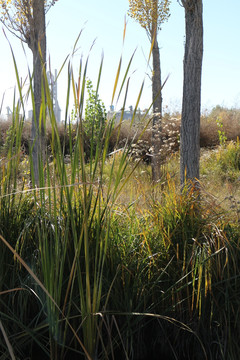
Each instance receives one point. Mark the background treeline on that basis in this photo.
(218, 119)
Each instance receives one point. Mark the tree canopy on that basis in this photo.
(150, 14)
(17, 16)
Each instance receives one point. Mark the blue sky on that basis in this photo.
(103, 21)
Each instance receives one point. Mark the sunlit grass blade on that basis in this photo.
(125, 76)
(2, 103)
(116, 80)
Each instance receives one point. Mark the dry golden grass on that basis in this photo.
(220, 186)
(230, 119)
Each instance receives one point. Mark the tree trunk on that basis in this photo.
(157, 112)
(38, 37)
(191, 103)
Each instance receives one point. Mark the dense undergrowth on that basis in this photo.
(219, 119)
(98, 263)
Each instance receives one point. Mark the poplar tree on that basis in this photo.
(191, 103)
(26, 20)
(151, 14)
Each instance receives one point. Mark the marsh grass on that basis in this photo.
(96, 264)
(220, 172)
(69, 226)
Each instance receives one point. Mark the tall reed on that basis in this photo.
(83, 276)
(70, 219)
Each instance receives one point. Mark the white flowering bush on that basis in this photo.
(143, 149)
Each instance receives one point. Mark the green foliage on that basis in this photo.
(223, 163)
(95, 117)
(230, 158)
(221, 134)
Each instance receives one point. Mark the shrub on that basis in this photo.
(95, 117)
(230, 120)
(223, 162)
